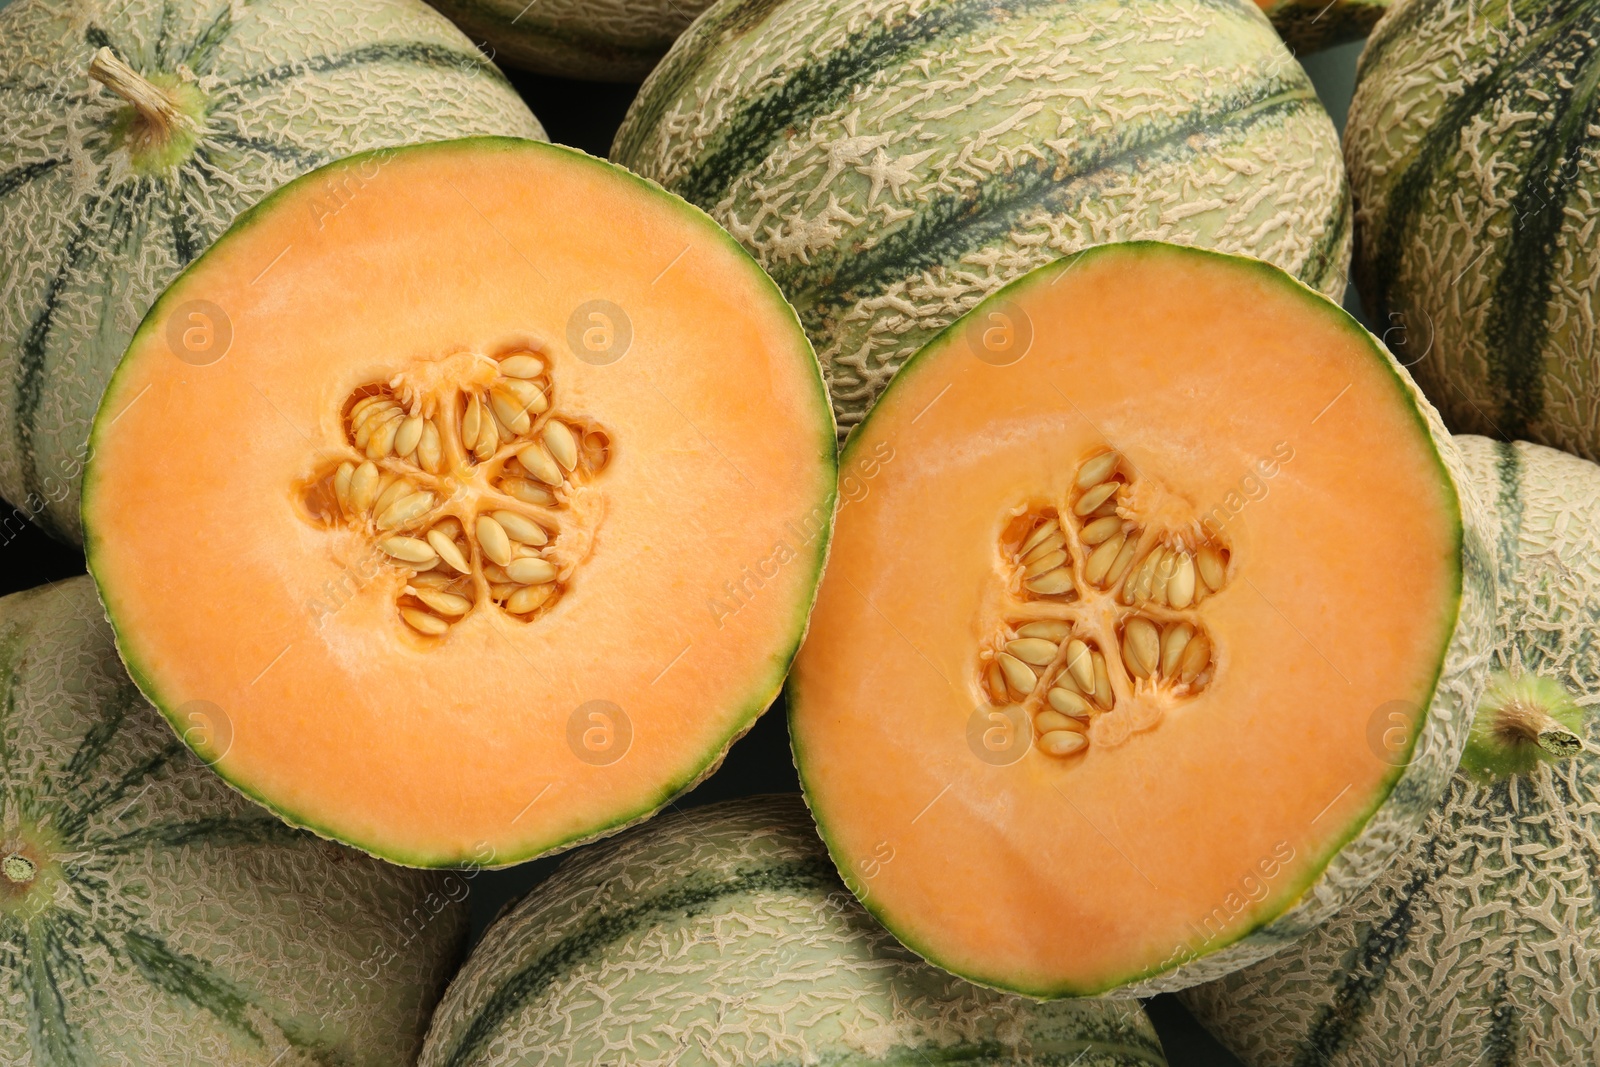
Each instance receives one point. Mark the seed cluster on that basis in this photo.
(463, 486)
(1050, 656)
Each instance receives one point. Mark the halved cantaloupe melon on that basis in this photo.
(483, 504)
(1152, 626)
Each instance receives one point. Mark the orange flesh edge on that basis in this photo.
(1074, 875)
(458, 750)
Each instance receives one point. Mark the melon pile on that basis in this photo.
(969, 376)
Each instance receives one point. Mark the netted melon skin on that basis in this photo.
(723, 936)
(171, 920)
(891, 163)
(597, 40)
(1480, 945)
(92, 240)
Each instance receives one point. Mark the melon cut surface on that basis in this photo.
(137, 129)
(1151, 627)
(151, 915)
(722, 936)
(499, 520)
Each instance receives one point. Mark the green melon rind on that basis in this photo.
(1503, 872)
(774, 115)
(766, 691)
(1377, 834)
(726, 929)
(1472, 153)
(575, 38)
(93, 241)
(179, 922)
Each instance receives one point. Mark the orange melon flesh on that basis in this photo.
(700, 545)
(1199, 816)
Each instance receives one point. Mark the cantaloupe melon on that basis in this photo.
(600, 40)
(723, 936)
(1151, 633)
(1471, 144)
(135, 131)
(151, 915)
(1481, 943)
(495, 521)
(891, 163)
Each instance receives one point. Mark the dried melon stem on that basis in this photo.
(1522, 721)
(162, 122)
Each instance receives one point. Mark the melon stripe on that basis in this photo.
(587, 942)
(948, 228)
(413, 52)
(17, 177)
(817, 88)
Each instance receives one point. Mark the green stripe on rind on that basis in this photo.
(1405, 797)
(414, 53)
(949, 228)
(765, 691)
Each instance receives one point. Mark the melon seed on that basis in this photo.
(1100, 529)
(1045, 529)
(1051, 583)
(1160, 575)
(1130, 545)
(448, 604)
(1097, 469)
(393, 488)
(363, 488)
(448, 550)
(341, 485)
(1081, 664)
(995, 679)
(422, 622)
(528, 598)
(404, 510)
(1051, 630)
(1050, 721)
(1095, 497)
(1102, 682)
(1195, 658)
(1019, 675)
(1067, 702)
(529, 397)
(1180, 587)
(493, 540)
(1045, 563)
(471, 424)
(562, 445)
(1045, 547)
(521, 529)
(521, 366)
(509, 411)
(1141, 647)
(408, 436)
(1173, 642)
(1100, 560)
(537, 462)
(381, 443)
(430, 452)
(1062, 743)
(1035, 650)
(1212, 570)
(528, 492)
(531, 570)
(409, 550)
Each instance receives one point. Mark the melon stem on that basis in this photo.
(1522, 721)
(158, 111)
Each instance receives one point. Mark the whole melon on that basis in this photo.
(1312, 25)
(724, 936)
(599, 40)
(136, 130)
(1481, 945)
(151, 915)
(1472, 153)
(892, 162)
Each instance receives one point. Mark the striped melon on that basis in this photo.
(110, 185)
(1481, 946)
(892, 162)
(724, 936)
(151, 915)
(601, 40)
(1472, 150)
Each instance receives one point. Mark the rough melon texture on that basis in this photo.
(891, 163)
(151, 915)
(723, 936)
(601, 40)
(1480, 946)
(1311, 25)
(94, 231)
(1471, 145)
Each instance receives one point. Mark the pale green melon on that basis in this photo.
(724, 937)
(892, 162)
(601, 40)
(150, 915)
(102, 206)
(1481, 946)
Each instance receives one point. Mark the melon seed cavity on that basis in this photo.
(468, 484)
(1101, 610)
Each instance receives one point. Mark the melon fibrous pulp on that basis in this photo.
(497, 522)
(1472, 154)
(151, 915)
(723, 936)
(136, 130)
(1109, 686)
(598, 40)
(891, 163)
(1481, 944)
